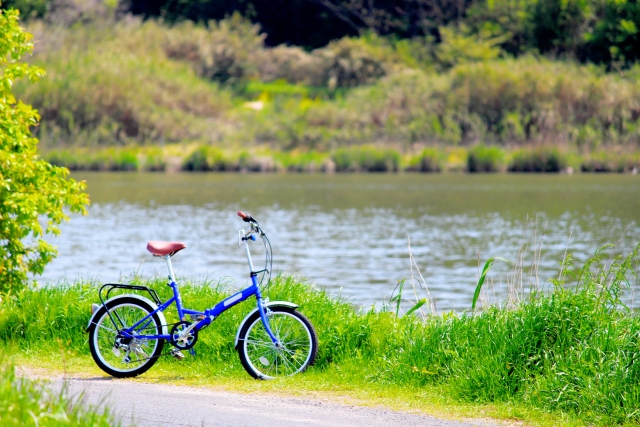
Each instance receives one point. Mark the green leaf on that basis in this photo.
(483, 275)
(420, 303)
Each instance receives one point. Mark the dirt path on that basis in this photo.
(145, 404)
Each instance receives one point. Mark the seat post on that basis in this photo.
(172, 276)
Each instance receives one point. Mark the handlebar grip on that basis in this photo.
(245, 217)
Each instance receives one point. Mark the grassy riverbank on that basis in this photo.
(568, 354)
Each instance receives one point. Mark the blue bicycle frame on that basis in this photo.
(211, 314)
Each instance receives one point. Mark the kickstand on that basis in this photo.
(192, 351)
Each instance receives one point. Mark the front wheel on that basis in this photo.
(260, 356)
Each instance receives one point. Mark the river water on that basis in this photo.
(349, 233)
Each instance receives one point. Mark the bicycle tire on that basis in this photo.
(103, 332)
(259, 356)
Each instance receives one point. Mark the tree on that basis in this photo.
(33, 193)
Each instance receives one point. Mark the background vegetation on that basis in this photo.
(571, 350)
(528, 78)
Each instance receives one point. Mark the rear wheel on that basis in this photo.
(259, 355)
(119, 356)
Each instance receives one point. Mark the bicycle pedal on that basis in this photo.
(177, 354)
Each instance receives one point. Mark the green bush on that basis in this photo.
(304, 161)
(603, 161)
(206, 158)
(367, 159)
(485, 159)
(429, 160)
(105, 159)
(153, 159)
(221, 51)
(540, 159)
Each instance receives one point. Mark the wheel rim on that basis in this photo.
(267, 360)
(140, 350)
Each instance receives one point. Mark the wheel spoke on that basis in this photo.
(260, 343)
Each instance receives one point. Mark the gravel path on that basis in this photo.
(163, 405)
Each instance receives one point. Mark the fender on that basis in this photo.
(138, 297)
(269, 304)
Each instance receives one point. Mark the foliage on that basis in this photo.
(615, 38)
(220, 52)
(352, 62)
(600, 31)
(458, 47)
(29, 187)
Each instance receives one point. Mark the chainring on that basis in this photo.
(183, 342)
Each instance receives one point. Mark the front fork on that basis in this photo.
(242, 238)
(263, 310)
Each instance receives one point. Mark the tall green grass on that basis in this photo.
(25, 402)
(429, 160)
(366, 159)
(486, 159)
(539, 159)
(572, 349)
(611, 161)
(206, 158)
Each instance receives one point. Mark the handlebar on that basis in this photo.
(246, 217)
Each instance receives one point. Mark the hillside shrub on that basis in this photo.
(221, 51)
(116, 87)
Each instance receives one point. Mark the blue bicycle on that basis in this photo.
(127, 332)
